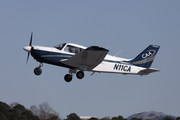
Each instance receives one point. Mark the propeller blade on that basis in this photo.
(27, 59)
(30, 44)
(31, 39)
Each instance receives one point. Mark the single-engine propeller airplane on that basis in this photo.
(95, 59)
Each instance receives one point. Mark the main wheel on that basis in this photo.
(80, 74)
(68, 78)
(37, 71)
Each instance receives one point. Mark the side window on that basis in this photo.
(72, 49)
(69, 49)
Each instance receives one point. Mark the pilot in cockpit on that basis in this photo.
(72, 49)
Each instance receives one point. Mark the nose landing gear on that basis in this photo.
(38, 70)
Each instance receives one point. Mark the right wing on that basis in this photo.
(87, 59)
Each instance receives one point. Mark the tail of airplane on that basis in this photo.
(146, 57)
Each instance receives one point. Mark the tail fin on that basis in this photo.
(146, 57)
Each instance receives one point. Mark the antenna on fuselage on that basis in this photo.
(117, 53)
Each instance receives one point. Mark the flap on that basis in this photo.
(87, 59)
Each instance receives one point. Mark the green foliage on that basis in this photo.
(19, 109)
(29, 115)
(73, 116)
(168, 118)
(4, 108)
(105, 118)
(3, 116)
(13, 116)
(136, 119)
(23, 117)
(118, 118)
(93, 118)
(15, 112)
(54, 117)
(178, 118)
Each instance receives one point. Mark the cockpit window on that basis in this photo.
(73, 49)
(60, 47)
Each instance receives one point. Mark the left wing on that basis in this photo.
(87, 59)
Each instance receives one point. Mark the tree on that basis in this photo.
(7, 112)
(105, 118)
(34, 110)
(13, 116)
(23, 117)
(118, 118)
(4, 108)
(178, 118)
(29, 115)
(15, 111)
(19, 108)
(168, 118)
(136, 119)
(93, 118)
(3, 116)
(45, 112)
(12, 105)
(54, 117)
(73, 116)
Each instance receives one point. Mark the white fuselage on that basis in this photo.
(110, 64)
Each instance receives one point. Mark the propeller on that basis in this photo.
(30, 45)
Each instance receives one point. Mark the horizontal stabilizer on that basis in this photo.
(147, 71)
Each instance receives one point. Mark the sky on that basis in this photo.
(118, 25)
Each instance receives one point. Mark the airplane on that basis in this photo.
(78, 59)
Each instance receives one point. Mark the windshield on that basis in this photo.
(60, 47)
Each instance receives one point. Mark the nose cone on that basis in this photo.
(27, 48)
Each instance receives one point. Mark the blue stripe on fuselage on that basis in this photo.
(49, 57)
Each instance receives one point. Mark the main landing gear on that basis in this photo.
(68, 77)
(80, 74)
(38, 70)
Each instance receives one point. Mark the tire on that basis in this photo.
(80, 74)
(37, 71)
(68, 78)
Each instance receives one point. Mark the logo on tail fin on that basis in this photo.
(149, 54)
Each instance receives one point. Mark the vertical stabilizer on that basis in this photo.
(146, 57)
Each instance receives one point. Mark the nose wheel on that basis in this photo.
(38, 70)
